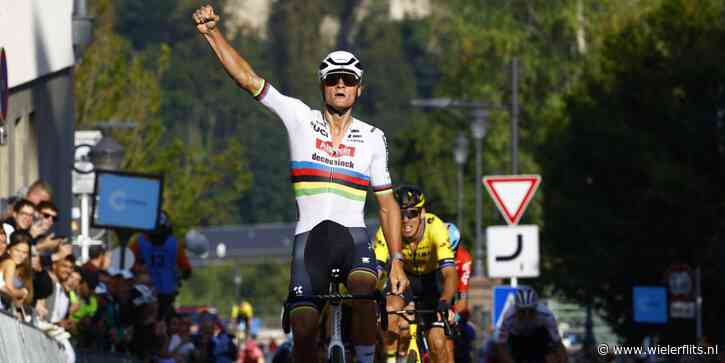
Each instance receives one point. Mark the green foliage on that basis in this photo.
(388, 80)
(264, 285)
(295, 52)
(116, 82)
(633, 182)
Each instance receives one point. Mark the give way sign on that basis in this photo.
(512, 193)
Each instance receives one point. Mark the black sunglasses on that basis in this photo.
(348, 79)
(410, 213)
(526, 311)
(46, 215)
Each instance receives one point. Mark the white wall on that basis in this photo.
(37, 37)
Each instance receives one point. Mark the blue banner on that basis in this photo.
(127, 201)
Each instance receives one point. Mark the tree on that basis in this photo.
(633, 180)
(115, 82)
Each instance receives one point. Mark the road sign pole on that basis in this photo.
(514, 116)
(85, 222)
(698, 305)
(478, 271)
(514, 127)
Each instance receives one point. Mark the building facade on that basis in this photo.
(37, 37)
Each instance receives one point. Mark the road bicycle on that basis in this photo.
(419, 350)
(334, 319)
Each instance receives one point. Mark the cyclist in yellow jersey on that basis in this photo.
(429, 264)
(243, 313)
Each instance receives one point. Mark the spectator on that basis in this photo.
(283, 353)
(15, 270)
(215, 345)
(180, 346)
(42, 286)
(21, 217)
(162, 254)
(148, 334)
(251, 352)
(3, 241)
(39, 191)
(47, 214)
(84, 296)
(58, 303)
(71, 285)
(121, 286)
(48, 258)
(82, 317)
(142, 277)
(112, 336)
(98, 259)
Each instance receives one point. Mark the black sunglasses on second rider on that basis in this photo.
(410, 213)
(350, 80)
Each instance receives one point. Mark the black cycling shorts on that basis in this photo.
(328, 245)
(426, 289)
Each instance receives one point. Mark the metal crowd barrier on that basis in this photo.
(23, 343)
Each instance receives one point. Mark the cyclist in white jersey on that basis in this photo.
(528, 332)
(335, 160)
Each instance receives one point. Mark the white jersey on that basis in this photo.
(510, 325)
(330, 183)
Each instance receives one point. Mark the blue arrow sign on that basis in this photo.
(503, 295)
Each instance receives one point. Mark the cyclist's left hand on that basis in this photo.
(398, 281)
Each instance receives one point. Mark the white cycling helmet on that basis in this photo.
(341, 61)
(526, 298)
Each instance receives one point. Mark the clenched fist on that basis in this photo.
(205, 19)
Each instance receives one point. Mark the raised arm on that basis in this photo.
(237, 67)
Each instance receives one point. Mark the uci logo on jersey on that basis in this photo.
(319, 129)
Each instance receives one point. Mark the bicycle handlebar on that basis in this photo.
(378, 297)
(340, 297)
(449, 332)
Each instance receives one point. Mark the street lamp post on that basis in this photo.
(478, 127)
(238, 284)
(460, 154)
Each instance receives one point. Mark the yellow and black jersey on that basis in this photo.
(432, 252)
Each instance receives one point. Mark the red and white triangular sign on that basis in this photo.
(512, 193)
